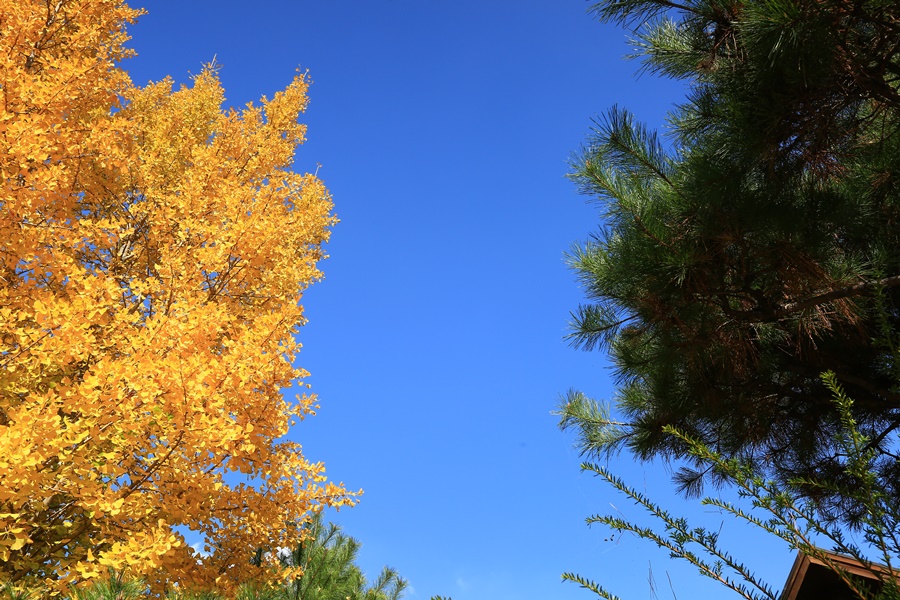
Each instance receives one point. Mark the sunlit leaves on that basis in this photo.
(153, 249)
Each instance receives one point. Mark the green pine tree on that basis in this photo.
(328, 559)
(782, 509)
(326, 555)
(760, 246)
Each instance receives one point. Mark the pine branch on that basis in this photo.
(858, 289)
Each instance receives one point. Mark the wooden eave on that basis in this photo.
(832, 563)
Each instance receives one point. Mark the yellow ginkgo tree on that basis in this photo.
(153, 249)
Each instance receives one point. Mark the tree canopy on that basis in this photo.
(862, 567)
(153, 250)
(326, 558)
(759, 246)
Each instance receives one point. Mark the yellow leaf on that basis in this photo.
(176, 240)
(19, 542)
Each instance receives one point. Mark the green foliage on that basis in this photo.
(117, 585)
(9, 591)
(327, 558)
(782, 509)
(761, 246)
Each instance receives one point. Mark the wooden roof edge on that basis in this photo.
(852, 565)
(796, 576)
(829, 560)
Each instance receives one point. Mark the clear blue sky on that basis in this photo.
(435, 341)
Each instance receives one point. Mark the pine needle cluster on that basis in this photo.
(780, 508)
(758, 245)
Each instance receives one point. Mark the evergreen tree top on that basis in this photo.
(762, 249)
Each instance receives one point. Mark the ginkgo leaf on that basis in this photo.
(154, 248)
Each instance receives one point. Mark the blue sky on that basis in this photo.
(435, 341)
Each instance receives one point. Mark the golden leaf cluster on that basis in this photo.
(153, 249)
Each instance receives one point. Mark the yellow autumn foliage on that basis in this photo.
(153, 249)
